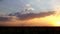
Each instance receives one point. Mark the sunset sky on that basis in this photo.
(29, 12)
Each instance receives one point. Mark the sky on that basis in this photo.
(29, 12)
(9, 6)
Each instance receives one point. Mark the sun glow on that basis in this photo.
(49, 20)
(54, 20)
(58, 23)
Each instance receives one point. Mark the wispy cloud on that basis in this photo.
(26, 16)
(18, 19)
(32, 15)
(4, 19)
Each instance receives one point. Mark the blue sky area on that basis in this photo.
(8, 6)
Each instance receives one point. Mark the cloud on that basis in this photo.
(27, 16)
(32, 15)
(4, 19)
(28, 19)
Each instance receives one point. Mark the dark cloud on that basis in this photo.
(8, 21)
(32, 15)
(4, 19)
